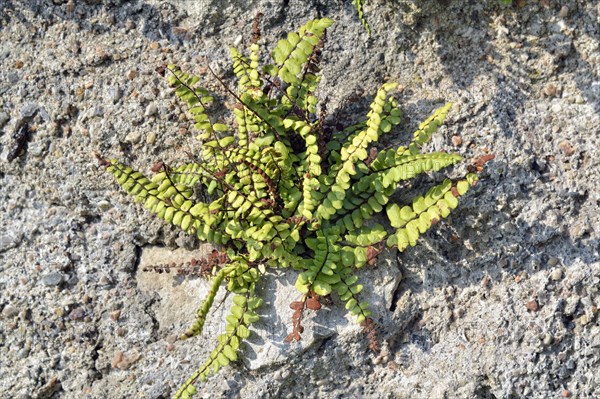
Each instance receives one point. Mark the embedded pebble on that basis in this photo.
(115, 315)
(151, 109)
(77, 314)
(29, 110)
(556, 274)
(547, 339)
(550, 90)
(10, 311)
(532, 305)
(104, 205)
(456, 140)
(53, 278)
(132, 74)
(114, 94)
(104, 280)
(134, 137)
(8, 241)
(553, 261)
(4, 118)
(151, 138)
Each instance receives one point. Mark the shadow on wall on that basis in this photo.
(155, 23)
(165, 20)
(537, 44)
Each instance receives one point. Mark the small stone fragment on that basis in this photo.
(556, 274)
(115, 315)
(550, 90)
(133, 137)
(114, 94)
(19, 64)
(566, 148)
(556, 108)
(584, 319)
(29, 110)
(77, 314)
(547, 340)
(104, 205)
(117, 359)
(456, 140)
(4, 118)
(154, 45)
(564, 12)
(532, 305)
(104, 280)
(10, 311)
(23, 353)
(151, 138)
(53, 279)
(132, 74)
(9, 241)
(151, 109)
(13, 77)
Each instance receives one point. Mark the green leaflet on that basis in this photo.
(367, 236)
(280, 191)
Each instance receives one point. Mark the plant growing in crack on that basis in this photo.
(287, 191)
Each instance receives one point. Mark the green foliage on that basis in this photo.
(358, 4)
(283, 192)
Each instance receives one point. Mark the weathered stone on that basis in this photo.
(53, 278)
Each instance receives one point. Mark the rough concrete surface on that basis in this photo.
(501, 301)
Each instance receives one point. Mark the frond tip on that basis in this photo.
(358, 5)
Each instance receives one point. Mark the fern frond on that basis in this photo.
(412, 221)
(247, 70)
(169, 202)
(348, 290)
(198, 99)
(358, 5)
(319, 274)
(427, 128)
(291, 53)
(198, 325)
(355, 150)
(242, 282)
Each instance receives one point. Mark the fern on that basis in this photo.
(282, 192)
